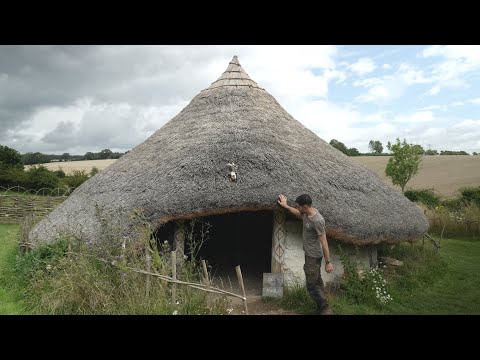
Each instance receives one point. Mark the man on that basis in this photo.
(315, 246)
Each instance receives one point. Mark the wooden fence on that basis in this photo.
(17, 202)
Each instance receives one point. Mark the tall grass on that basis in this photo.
(463, 221)
(70, 277)
(459, 216)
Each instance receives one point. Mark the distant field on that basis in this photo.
(445, 173)
(69, 166)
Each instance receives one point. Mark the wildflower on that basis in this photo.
(175, 312)
(49, 267)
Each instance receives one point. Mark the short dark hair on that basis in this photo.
(304, 199)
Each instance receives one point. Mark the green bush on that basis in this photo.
(424, 196)
(38, 177)
(77, 178)
(12, 176)
(59, 173)
(471, 195)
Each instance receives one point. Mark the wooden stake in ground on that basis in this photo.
(147, 283)
(174, 277)
(205, 272)
(240, 281)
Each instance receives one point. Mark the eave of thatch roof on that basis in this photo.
(181, 172)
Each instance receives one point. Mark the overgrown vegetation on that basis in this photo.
(426, 197)
(451, 217)
(39, 177)
(429, 282)
(363, 286)
(70, 277)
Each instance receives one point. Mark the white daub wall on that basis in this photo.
(294, 257)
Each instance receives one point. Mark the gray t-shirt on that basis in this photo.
(312, 229)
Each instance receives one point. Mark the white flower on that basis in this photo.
(49, 267)
(175, 312)
(229, 311)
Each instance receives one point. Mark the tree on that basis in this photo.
(106, 154)
(404, 163)
(431, 152)
(339, 146)
(375, 146)
(65, 156)
(353, 152)
(474, 153)
(10, 158)
(35, 158)
(419, 149)
(89, 156)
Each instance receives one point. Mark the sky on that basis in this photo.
(75, 99)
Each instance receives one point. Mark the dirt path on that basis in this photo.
(256, 306)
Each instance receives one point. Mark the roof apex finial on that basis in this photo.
(234, 76)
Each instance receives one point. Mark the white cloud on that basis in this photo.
(458, 60)
(420, 116)
(284, 70)
(386, 66)
(392, 86)
(363, 66)
(475, 101)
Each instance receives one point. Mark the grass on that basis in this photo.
(67, 277)
(429, 283)
(10, 302)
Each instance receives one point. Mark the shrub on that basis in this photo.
(77, 178)
(363, 286)
(424, 196)
(471, 195)
(38, 177)
(60, 173)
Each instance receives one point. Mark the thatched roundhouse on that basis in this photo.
(225, 157)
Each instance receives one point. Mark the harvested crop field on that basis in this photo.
(443, 173)
(69, 166)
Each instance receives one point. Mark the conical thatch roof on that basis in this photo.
(181, 172)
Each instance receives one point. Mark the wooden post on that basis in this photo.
(240, 281)
(147, 283)
(205, 272)
(279, 236)
(174, 277)
(179, 239)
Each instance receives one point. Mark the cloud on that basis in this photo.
(457, 61)
(75, 99)
(363, 66)
(41, 87)
(392, 86)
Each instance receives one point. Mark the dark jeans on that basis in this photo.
(315, 285)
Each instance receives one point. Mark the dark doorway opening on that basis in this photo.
(244, 239)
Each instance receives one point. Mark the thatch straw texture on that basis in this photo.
(181, 172)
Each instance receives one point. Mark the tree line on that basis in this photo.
(375, 147)
(32, 158)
